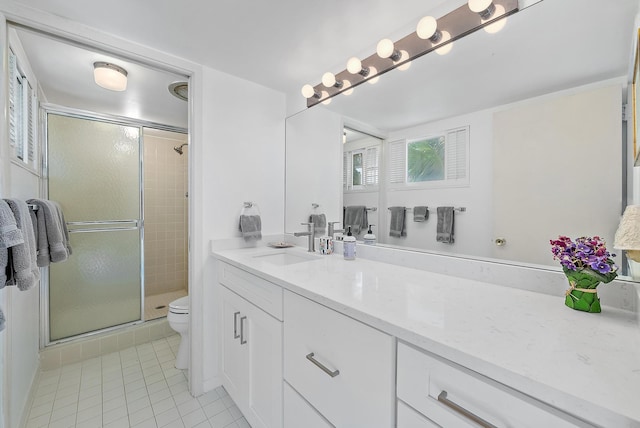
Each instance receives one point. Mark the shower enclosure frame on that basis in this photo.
(45, 110)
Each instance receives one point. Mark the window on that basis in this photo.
(436, 161)
(22, 116)
(360, 168)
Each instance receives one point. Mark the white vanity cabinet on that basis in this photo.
(450, 395)
(340, 366)
(251, 346)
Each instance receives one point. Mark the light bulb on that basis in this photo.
(308, 91)
(348, 89)
(327, 101)
(427, 27)
(404, 56)
(372, 72)
(499, 24)
(446, 48)
(328, 79)
(479, 6)
(385, 48)
(354, 65)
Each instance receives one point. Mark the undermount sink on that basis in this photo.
(286, 257)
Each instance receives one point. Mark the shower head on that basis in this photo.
(178, 149)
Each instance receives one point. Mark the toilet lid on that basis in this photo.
(180, 306)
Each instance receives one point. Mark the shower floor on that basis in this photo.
(157, 305)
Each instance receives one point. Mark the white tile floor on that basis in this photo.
(136, 387)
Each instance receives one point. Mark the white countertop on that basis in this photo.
(587, 364)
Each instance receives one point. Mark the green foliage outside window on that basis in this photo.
(425, 160)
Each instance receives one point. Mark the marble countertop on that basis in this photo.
(586, 364)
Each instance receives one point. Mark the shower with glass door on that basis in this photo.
(111, 177)
(95, 173)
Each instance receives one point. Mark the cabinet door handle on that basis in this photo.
(464, 412)
(242, 339)
(322, 366)
(235, 325)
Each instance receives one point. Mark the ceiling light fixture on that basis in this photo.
(431, 35)
(110, 76)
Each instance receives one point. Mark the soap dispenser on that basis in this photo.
(349, 246)
(370, 238)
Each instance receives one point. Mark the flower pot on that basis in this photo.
(582, 296)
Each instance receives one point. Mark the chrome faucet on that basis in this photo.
(332, 229)
(311, 233)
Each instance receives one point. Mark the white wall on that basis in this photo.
(314, 167)
(242, 156)
(19, 343)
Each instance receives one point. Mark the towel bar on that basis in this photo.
(372, 209)
(33, 207)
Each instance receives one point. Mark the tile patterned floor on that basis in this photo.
(157, 300)
(137, 387)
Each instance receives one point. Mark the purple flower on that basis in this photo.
(601, 267)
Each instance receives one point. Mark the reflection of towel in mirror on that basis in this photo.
(397, 226)
(420, 214)
(251, 227)
(444, 230)
(320, 223)
(356, 217)
(10, 235)
(23, 269)
(53, 245)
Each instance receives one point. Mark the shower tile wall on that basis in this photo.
(165, 204)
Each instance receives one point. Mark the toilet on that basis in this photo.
(178, 318)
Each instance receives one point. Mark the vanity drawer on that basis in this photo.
(343, 368)
(262, 293)
(428, 384)
(409, 418)
(298, 413)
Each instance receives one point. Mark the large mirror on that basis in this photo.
(534, 114)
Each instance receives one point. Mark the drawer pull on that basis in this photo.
(322, 366)
(235, 325)
(242, 339)
(464, 412)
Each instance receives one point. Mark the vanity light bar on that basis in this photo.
(457, 23)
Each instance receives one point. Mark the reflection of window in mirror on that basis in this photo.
(357, 169)
(361, 162)
(433, 161)
(425, 159)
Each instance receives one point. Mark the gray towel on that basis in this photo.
(23, 269)
(2, 320)
(250, 227)
(320, 223)
(444, 230)
(65, 230)
(52, 233)
(420, 214)
(356, 217)
(397, 226)
(10, 235)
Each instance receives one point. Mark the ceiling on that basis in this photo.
(282, 45)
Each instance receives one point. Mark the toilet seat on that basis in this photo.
(180, 306)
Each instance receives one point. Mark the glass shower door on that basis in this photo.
(94, 172)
